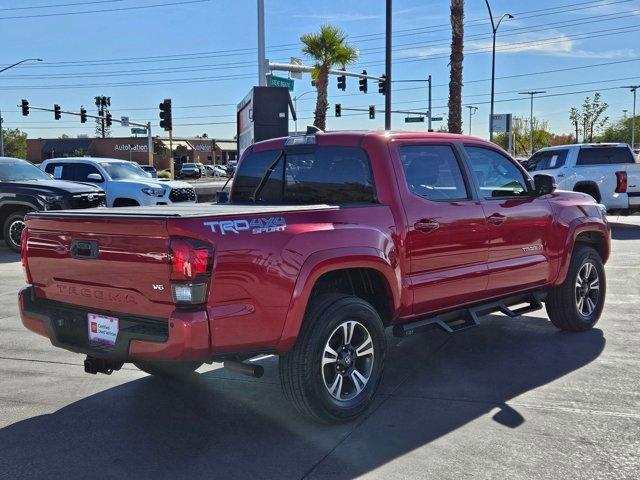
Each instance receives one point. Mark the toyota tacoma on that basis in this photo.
(327, 240)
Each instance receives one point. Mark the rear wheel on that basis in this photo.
(13, 227)
(577, 304)
(168, 369)
(335, 367)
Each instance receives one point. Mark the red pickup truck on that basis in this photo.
(327, 240)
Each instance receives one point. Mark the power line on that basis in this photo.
(57, 5)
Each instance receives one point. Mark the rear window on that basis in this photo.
(604, 156)
(547, 160)
(334, 175)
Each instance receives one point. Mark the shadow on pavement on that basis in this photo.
(224, 426)
(625, 231)
(7, 256)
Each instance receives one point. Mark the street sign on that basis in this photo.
(437, 119)
(413, 119)
(139, 131)
(296, 75)
(501, 122)
(125, 121)
(275, 81)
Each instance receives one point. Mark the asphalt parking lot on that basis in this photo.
(514, 398)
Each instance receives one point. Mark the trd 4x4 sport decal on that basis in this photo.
(255, 225)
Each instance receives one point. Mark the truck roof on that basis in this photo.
(585, 145)
(87, 159)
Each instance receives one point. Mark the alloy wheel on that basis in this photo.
(15, 231)
(587, 289)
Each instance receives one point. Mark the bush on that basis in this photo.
(164, 174)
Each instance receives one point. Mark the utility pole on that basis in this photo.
(262, 71)
(387, 66)
(633, 89)
(429, 127)
(149, 144)
(472, 111)
(494, 28)
(1, 137)
(532, 94)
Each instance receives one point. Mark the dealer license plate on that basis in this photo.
(102, 329)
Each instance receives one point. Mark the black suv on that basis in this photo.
(25, 188)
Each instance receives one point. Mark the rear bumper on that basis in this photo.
(184, 336)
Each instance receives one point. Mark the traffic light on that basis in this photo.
(83, 115)
(165, 115)
(372, 112)
(382, 85)
(363, 83)
(57, 112)
(338, 110)
(342, 82)
(25, 108)
(108, 119)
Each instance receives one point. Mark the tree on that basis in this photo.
(328, 48)
(455, 76)
(204, 135)
(619, 132)
(15, 143)
(591, 118)
(542, 137)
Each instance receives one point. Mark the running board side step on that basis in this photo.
(458, 320)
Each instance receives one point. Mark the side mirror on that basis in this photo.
(544, 184)
(94, 177)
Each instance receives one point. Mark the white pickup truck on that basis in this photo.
(609, 172)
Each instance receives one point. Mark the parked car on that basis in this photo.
(189, 170)
(24, 188)
(608, 172)
(407, 231)
(202, 169)
(231, 168)
(150, 170)
(124, 182)
(215, 171)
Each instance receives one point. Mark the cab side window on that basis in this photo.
(433, 172)
(82, 171)
(497, 176)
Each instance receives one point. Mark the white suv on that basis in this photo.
(608, 172)
(124, 182)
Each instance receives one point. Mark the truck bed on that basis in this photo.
(185, 211)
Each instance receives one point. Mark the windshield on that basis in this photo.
(20, 170)
(124, 171)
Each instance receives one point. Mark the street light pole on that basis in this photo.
(262, 71)
(634, 90)
(531, 116)
(295, 106)
(387, 66)
(4, 69)
(472, 111)
(494, 28)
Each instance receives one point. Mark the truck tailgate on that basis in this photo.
(633, 184)
(129, 272)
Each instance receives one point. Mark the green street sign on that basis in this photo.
(436, 119)
(281, 82)
(413, 119)
(139, 131)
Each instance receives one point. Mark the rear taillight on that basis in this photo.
(621, 182)
(23, 255)
(191, 266)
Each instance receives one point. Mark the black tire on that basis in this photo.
(12, 230)
(168, 369)
(562, 303)
(305, 380)
(125, 202)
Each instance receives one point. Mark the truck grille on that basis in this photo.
(87, 200)
(182, 195)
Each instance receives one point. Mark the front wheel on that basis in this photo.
(576, 304)
(334, 369)
(13, 227)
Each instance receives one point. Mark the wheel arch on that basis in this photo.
(365, 272)
(7, 209)
(590, 188)
(593, 234)
(126, 202)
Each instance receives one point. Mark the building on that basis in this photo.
(200, 150)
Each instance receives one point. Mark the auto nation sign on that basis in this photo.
(133, 148)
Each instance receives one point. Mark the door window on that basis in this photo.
(82, 171)
(497, 176)
(547, 160)
(433, 172)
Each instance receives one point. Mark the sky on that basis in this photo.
(203, 55)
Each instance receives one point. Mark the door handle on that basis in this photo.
(426, 225)
(497, 219)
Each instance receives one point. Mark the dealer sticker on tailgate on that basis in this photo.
(103, 329)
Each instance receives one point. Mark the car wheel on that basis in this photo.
(334, 369)
(576, 304)
(168, 369)
(13, 227)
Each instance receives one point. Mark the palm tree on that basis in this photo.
(457, 56)
(328, 48)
